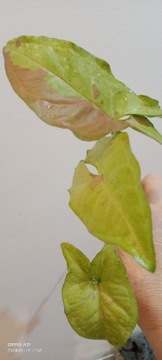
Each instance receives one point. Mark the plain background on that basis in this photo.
(37, 161)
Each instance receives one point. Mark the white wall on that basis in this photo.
(37, 161)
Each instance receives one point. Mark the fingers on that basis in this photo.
(152, 185)
(135, 271)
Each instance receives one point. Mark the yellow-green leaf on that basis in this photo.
(112, 203)
(98, 299)
(68, 87)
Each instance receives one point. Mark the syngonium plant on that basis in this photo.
(70, 88)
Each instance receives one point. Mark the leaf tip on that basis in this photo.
(64, 246)
(149, 265)
(65, 250)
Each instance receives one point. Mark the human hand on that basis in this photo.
(148, 286)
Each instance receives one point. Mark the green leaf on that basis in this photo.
(70, 88)
(98, 299)
(112, 203)
(143, 125)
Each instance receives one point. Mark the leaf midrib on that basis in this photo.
(66, 82)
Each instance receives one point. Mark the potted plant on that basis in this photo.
(70, 88)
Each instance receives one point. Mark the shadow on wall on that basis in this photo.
(12, 330)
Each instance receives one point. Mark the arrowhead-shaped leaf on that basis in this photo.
(112, 204)
(70, 88)
(98, 299)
